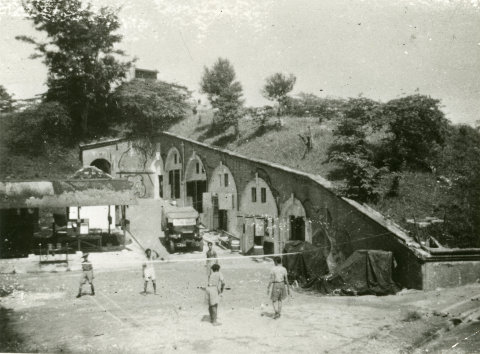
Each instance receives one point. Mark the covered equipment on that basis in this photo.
(364, 272)
(306, 266)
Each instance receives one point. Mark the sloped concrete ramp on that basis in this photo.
(146, 224)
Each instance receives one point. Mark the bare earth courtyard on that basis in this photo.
(43, 315)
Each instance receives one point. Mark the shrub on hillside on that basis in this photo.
(363, 110)
(461, 163)
(418, 129)
(307, 104)
(354, 157)
(38, 128)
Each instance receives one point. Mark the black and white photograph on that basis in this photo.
(242, 176)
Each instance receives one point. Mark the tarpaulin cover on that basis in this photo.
(364, 272)
(305, 266)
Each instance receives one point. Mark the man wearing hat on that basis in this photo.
(87, 274)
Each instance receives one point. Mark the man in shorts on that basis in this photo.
(280, 287)
(87, 275)
(211, 258)
(214, 289)
(149, 271)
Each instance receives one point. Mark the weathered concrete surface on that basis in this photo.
(450, 274)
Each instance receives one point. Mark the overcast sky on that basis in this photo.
(382, 49)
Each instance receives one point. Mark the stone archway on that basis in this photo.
(158, 176)
(196, 182)
(294, 218)
(173, 175)
(221, 200)
(103, 165)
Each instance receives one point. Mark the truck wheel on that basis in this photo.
(171, 246)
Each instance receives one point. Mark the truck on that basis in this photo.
(181, 228)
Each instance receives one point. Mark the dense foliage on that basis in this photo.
(308, 104)
(224, 93)
(79, 52)
(37, 129)
(148, 106)
(417, 128)
(460, 162)
(355, 159)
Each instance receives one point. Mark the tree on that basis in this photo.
(224, 93)
(417, 130)
(80, 55)
(38, 128)
(364, 110)
(148, 106)
(276, 88)
(461, 164)
(6, 101)
(355, 159)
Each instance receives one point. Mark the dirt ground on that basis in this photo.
(43, 315)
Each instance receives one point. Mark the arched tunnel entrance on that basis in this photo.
(103, 165)
(196, 181)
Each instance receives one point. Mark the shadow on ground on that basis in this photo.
(10, 341)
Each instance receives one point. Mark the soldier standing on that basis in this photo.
(280, 287)
(87, 275)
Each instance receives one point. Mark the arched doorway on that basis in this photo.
(260, 216)
(173, 174)
(295, 218)
(221, 200)
(157, 168)
(103, 165)
(196, 181)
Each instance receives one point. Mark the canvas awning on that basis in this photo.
(65, 193)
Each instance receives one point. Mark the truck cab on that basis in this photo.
(181, 228)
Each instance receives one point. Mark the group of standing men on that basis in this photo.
(278, 286)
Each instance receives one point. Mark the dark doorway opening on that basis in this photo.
(297, 228)
(195, 189)
(17, 227)
(223, 220)
(268, 247)
(174, 182)
(102, 164)
(160, 186)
